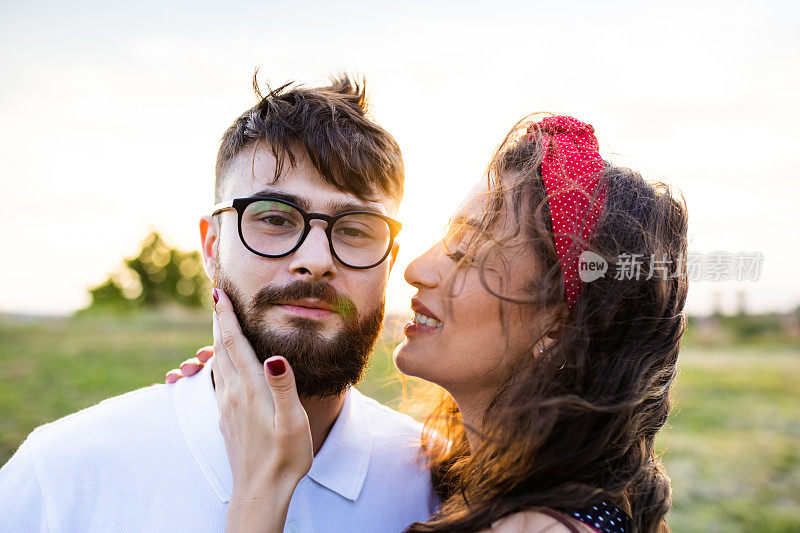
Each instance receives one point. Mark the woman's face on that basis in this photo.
(463, 337)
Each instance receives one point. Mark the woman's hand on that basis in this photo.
(191, 366)
(265, 427)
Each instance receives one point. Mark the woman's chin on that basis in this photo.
(407, 360)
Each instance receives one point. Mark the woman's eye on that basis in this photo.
(456, 256)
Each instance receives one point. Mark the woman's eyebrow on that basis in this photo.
(461, 220)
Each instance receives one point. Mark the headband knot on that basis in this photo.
(560, 124)
(571, 169)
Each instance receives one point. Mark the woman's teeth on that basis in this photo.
(419, 318)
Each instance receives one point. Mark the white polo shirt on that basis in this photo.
(154, 460)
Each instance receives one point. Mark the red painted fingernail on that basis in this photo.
(215, 295)
(276, 367)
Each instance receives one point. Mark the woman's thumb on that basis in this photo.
(281, 382)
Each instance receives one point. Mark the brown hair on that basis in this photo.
(330, 124)
(576, 423)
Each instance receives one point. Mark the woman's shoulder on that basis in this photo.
(604, 517)
(538, 520)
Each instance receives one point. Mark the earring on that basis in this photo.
(541, 350)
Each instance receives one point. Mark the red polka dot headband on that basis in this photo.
(571, 168)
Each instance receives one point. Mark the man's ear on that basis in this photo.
(209, 239)
(393, 255)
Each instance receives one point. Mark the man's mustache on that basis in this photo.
(271, 295)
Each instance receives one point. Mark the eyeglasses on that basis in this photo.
(271, 227)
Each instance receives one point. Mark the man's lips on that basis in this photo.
(308, 308)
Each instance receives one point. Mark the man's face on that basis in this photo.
(321, 315)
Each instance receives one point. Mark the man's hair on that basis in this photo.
(329, 123)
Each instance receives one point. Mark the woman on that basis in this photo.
(553, 384)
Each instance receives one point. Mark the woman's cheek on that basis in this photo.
(472, 346)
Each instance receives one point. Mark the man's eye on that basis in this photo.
(275, 220)
(353, 232)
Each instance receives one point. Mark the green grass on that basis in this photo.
(732, 448)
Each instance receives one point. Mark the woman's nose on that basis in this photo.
(422, 271)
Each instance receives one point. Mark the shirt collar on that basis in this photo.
(341, 464)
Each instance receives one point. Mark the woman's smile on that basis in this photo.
(423, 321)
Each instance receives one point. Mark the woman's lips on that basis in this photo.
(306, 312)
(418, 307)
(412, 328)
(423, 321)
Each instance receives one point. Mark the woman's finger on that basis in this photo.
(172, 376)
(204, 353)
(216, 375)
(280, 377)
(224, 364)
(234, 341)
(292, 429)
(191, 366)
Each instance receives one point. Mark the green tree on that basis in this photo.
(157, 276)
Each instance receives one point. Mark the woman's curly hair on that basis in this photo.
(576, 423)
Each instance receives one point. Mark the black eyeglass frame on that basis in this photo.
(240, 204)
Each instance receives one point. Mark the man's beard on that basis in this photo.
(322, 367)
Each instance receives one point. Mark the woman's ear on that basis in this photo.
(558, 317)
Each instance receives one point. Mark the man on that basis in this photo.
(302, 242)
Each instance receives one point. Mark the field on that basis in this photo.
(732, 448)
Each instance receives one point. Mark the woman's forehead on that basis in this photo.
(475, 202)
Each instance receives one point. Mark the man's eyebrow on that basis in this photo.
(341, 207)
(334, 208)
(287, 197)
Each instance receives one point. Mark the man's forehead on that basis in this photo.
(253, 174)
(330, 202)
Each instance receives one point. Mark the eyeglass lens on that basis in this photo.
(274, 228)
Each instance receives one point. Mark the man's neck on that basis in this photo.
(321, 416)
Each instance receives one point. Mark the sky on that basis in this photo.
(111, 115)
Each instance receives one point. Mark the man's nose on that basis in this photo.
(313, 261)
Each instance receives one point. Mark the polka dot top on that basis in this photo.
(603, 517)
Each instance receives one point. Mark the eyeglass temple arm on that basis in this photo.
(222, 206)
